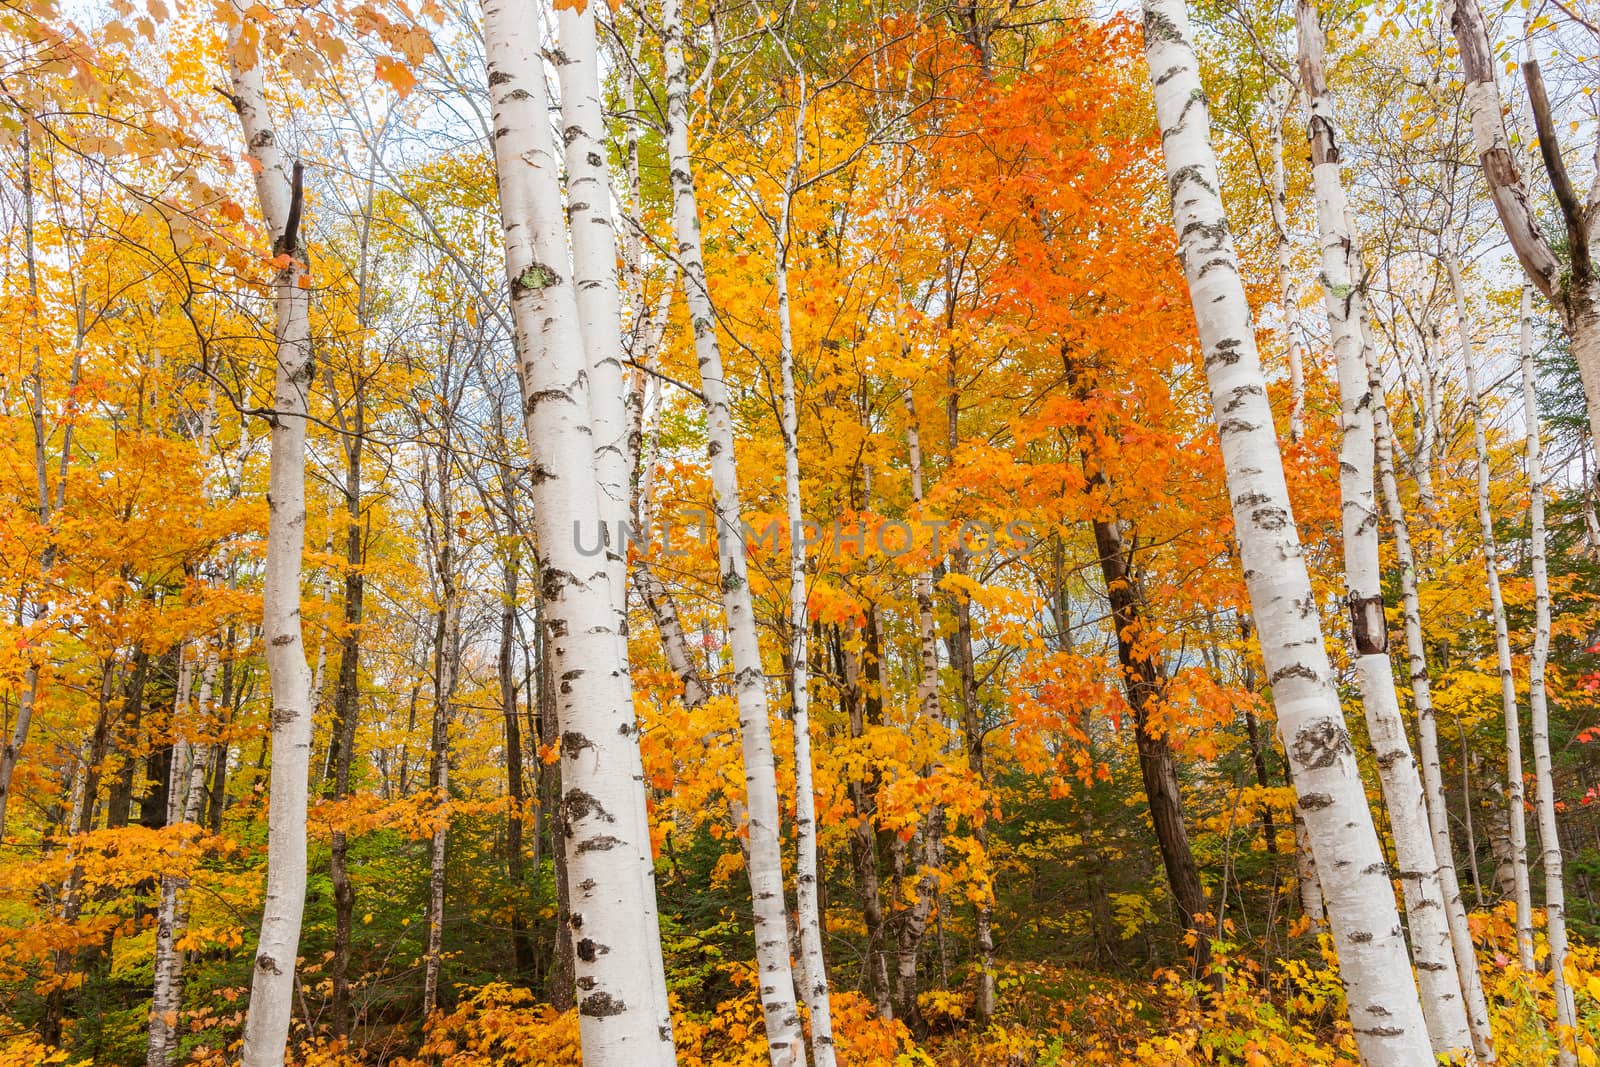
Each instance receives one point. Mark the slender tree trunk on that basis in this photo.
(599, 805)
(1555, 897)
(346, 715)
(1311, 899)
(119, 805)
(1428, 733)
(446, 652)
(189, 768)
(913, 919)
(780, 1013)
(1384, 1008)
(972, 728)
(1143, 682)
(813, 966)
(1517, 825)
(1288, 299)
(594, 260)
(1343, 284)
(32, 672)
(863, 790)
(521, 947)
(272, 987)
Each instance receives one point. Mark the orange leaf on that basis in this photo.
(397, 74)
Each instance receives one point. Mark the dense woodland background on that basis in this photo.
(1053, 814)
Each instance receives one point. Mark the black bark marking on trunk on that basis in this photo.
(601, 1005)
(1321, 744)
(577, 804)
(603, 843)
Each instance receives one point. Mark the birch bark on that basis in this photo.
(266, 1029)
(1287, 298)
(1385, 1011)
(1555, 897)
(1344, 296)
(183, 807)
(594, 259)
(606, 915)
(786, 1043)
(1428, 731)
(1517, 826)
(813, 965)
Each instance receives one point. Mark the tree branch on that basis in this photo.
(1550, 149)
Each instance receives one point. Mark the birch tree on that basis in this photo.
(1428, 728)
(1343, 291)
(1517, 824)
(1555, 896)
(608, 910)
(780, 1014)
(1385, 1011)
(594, 257)
(1568, 278)
(278, 191)
(189, 760)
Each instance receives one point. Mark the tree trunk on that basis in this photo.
(863, 790)
(1428, 734)
(1517, 824)
(594, 263)
(1385, 1011)
(446, 651)
(786, 1042)
(612, 943)
(188, 768)
(1143, 682)
(1343, 283)
(972, 728)
(1288, 301)
(119, 805)
(913, 919)
(346, 715)
(521, 947)
(1555, 897)
(813, 966)
(272, 985)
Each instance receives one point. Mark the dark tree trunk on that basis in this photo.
(559, 980)
(521, 947)
(864, 838)
(346, 715)
(1143, 682)
(119, 805)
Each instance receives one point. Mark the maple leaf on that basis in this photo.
(396, 74)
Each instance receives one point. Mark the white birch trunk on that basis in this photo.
(1385, 1011)
(786, 1042)
(599, 805)
(1344, 298)
(594, 259)
(813, 965)
(1555, 897)
(1306, 869)
(172, 918)
(1428, 732)
(1518, 827)
(1287, 300)
(266, 1029)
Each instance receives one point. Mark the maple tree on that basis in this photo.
(791, 532)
